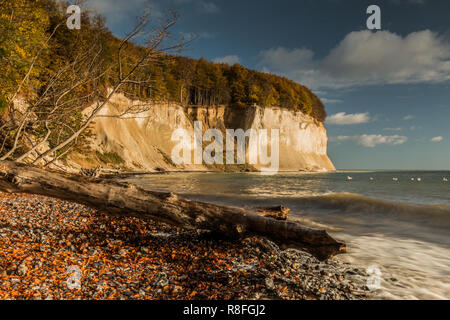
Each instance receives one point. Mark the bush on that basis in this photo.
(3, 104)
(110, 158)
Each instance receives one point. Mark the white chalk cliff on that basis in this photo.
(144, 141)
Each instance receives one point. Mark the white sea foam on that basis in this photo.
(410, 269)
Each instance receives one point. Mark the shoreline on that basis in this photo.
(127, 258)
(124, 175)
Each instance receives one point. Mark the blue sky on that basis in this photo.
(387, 93)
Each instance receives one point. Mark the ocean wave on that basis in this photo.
(356, 203)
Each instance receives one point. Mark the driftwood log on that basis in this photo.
(278, 213)
(129, 200)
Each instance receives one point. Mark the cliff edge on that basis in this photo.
(144, 142)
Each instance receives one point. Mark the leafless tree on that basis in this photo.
(51, 112)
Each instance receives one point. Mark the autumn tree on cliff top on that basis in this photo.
(52, 74)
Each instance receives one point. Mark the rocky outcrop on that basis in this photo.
(144, 141)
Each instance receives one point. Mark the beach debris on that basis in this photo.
(91, 173)
(269, 283)
(277, 213)
(22, 270)
(183, 266)
(161, 280)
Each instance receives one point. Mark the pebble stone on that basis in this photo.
(57, 250)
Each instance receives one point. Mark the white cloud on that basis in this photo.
(188, 36)
(207, 35)
(208, 7)
(231, 59)
(329, 101)
(392, 129)
(202, 5)
(285, 60)
(408, 117)
(343, 118)
(437, 139)
(372, 140)
(366, 58)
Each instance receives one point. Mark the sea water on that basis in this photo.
(396, 221)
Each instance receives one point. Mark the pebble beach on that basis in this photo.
(57, 250)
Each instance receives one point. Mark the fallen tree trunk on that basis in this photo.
(129, 200)
(278, 213)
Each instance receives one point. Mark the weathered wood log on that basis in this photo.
(129, 200)
(278, 213)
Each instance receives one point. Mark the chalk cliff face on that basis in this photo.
(145, 141)
(303, 141)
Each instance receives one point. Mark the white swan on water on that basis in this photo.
(419, 179)
(394, 179)
(445, 179)
(349, 178)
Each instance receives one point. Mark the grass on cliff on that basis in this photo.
(111, 158)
